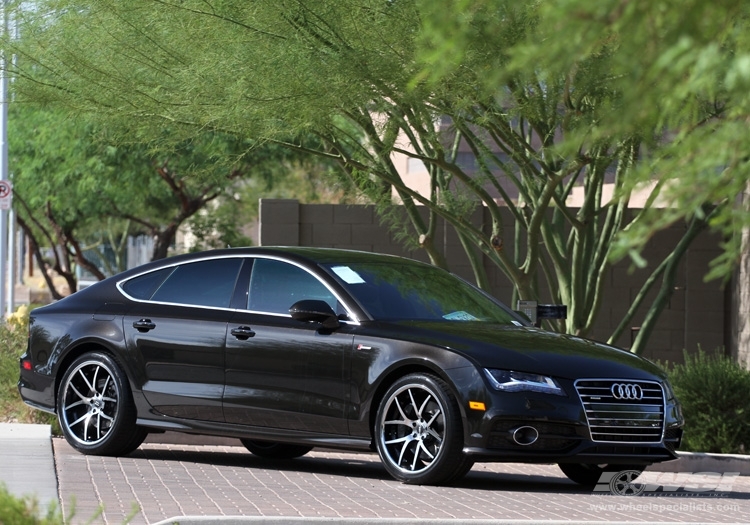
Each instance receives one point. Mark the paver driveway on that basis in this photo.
(160, 481)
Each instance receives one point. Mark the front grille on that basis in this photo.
(636, 417)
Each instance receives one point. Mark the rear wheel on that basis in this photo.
(271, 450)
(589, 474)
(418, 432)
(95, 407)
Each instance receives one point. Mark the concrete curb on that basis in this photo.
(291, 520)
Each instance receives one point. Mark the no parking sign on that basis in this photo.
(6, 194)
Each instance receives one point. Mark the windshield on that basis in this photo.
(398, 291)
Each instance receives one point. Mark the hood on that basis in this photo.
(528, 349)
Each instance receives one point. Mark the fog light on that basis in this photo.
(525, 435)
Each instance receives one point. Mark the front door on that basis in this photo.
(282, 373)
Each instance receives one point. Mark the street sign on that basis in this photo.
(6, 194)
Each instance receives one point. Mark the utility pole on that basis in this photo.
(4, 166)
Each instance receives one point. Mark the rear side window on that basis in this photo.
(204, 283)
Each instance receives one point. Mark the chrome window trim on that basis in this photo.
(353, 319)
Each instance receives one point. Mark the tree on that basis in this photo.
(77, 194)
(348, 72)
(679, 73)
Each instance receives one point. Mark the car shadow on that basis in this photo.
(358, 465)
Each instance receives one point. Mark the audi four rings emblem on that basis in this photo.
(625, 391)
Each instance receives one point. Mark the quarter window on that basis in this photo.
(143, 286)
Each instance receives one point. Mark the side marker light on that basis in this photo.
(477, 405)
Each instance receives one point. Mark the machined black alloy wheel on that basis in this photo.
(418, 431)
(95, 407)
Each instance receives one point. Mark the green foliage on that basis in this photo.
(713, 391)
(372, 80)
(26, 511)
(13, 336)
(675, 74)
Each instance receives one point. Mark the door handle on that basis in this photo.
(144, 325)
(242, 332)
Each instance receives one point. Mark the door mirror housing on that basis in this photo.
(315, 311)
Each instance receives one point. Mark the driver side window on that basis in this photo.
(276, 285)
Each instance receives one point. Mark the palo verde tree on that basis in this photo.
(349, 72)
(76, 193)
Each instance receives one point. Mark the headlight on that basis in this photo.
(511, 381)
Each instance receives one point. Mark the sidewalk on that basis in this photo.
(27, 465)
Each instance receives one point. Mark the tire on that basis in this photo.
(589, 474)
(271, 450)
(95, 407)
(418, 432)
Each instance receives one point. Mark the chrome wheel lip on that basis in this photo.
(89, 403)
(408, 451)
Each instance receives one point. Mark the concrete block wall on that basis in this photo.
(697, 314)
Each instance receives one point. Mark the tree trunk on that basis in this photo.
(740, 321)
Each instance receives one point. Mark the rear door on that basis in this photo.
(179, 335)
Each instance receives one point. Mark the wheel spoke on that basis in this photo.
(435, 435)
(401, 410)
(404, 448)
(424, 448)
(398, 440)
(411, 399)
(79, 402)
(74, 423)
(106, 384)
(415, 458)
(420, 411)
(75, 390)
(86, 380)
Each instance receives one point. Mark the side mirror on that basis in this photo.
(314, 310)
(536, 312)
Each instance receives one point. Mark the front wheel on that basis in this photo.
(418, 432)
(95, 407)
(271, 450)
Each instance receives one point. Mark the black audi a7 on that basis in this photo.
(291, 348)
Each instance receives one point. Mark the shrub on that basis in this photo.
(13, 336)
(26, 511)
(713, 391)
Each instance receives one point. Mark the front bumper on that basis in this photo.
(575, 428)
